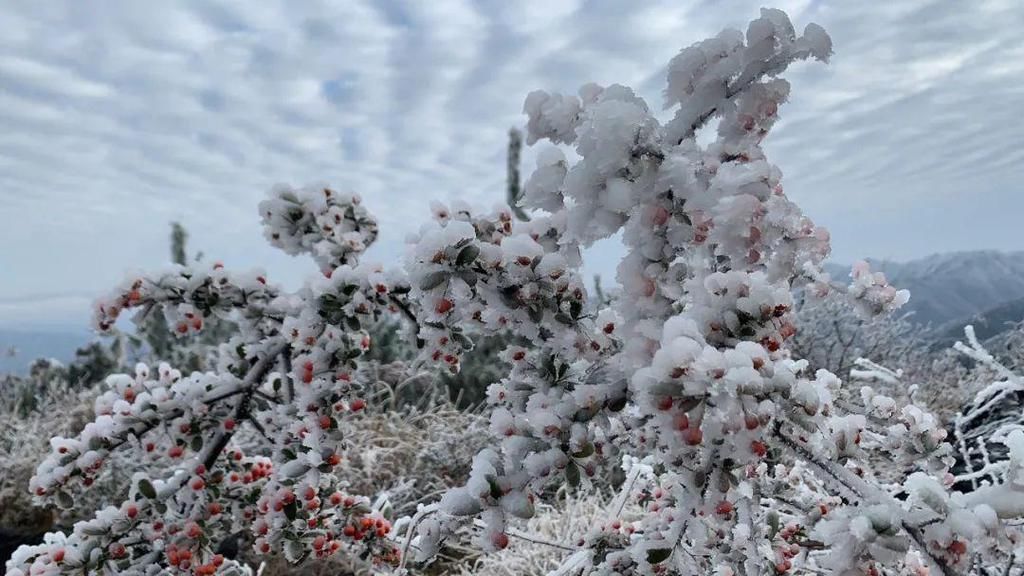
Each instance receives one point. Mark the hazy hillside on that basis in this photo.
(948, 290)
(28, 345)
(983, 288)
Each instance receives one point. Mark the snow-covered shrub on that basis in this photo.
(756, 465)
(760, 464)
(831, 335)
(26, 436)
(542, 543)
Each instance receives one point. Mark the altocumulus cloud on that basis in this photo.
(118, 117)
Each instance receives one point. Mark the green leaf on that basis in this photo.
(495, 489)
(197, 443)
(433, 280)
(536, 314)
(658, 555)
(462, 340)
(65, 500)
(468, 276)
(563, 318)
(146, 489)
(572, 474)
(291, 510)
(773, 523)
(575, 307)
(90, 530)
(467, 255)
(617, 404)
(584, 451)
(353, 323)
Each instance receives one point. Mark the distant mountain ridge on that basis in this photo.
(984, 288)
(952, 289)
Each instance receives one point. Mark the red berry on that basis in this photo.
(665, 403)
(660, 216)
(132, 511)
(229, 424)
(357, 405)
(175, 451)
(444, 306)
(198, 484)
(58, 555)
(724, 508)
(694, 436)
(500, 540)
(758, 447)
(325, 422)
(681, 422)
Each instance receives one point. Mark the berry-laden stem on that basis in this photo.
(252, 381)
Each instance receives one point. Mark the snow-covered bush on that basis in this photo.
(759, 463)
(831, 335)
(755, 465)
(540, 544)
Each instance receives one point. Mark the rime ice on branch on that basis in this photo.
(760, 465)
(755, 465)
(290, 374)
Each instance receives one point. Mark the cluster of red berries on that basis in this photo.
(366, 527)
(254, 471)
(691, 431)
(191, 321)
(182, 559)
(789, 549)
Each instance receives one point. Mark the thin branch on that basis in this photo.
(520, 535)
(252, 381)
(404, 307)
(286, 372)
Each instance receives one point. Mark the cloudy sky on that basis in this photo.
(118, 117)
